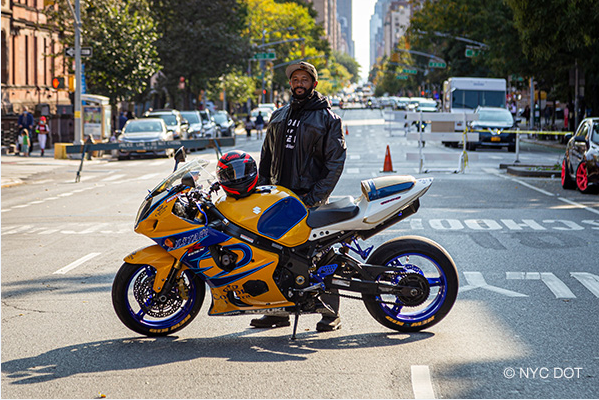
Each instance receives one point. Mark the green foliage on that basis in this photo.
(121, 35)
(350, 64)
(239, 87)
(199, 40)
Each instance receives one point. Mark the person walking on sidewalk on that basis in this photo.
(304, 150)
(259, 124)
(249, 125)
(43, 131)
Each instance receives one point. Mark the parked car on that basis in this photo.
(271, 106)
(196, 128)
(580, 166)
(173, 120)
(491, 123)
(224, 123)
(145, 130)
(210, 129)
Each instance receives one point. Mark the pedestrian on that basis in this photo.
(304, 150)
(566, 116)
(25, 142)
(259, 124)
(122, 120)
(248, 125)
(43, 131)
(547, 114)
(526, 114)
(25, 121)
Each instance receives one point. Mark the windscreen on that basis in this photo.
(473, 98)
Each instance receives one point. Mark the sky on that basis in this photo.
(362, 10)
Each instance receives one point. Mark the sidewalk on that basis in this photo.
(16, 170)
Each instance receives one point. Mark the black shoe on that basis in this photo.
(327, 324)
(270, 321)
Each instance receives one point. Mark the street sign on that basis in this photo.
(410, 71)
(85, 52)
(264, 56)
(436, 64)
(402, 77)
(472, 53)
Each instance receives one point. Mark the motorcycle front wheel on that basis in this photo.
(141, 310)
(413, 255)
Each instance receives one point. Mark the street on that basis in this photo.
(524, 325)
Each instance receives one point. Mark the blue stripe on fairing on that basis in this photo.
(375, 194)
(225, 280)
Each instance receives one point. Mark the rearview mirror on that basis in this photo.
(180, 156)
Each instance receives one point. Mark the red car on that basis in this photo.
(580, 167)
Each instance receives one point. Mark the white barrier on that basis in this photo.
(442, 125)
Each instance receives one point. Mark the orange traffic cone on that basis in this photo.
(346, 131)
(388, 166)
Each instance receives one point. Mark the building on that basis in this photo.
(335, 17)
(388, 25)
(27, 65)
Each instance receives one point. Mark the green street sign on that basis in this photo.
(410, 71)
(436, 64)
(264, 56)
(472, 53)
(402, 77)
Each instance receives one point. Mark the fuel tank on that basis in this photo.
(271, 211)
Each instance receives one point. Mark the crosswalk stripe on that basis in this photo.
(76, 263)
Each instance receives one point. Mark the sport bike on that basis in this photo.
(268, 254)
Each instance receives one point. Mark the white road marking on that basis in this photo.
(578, 205)
(149, 176)
(353, 170)
(556, 285)
(113, 177)
(588, 280)
(76, 263)
(476, 280)
(422, 384)
(22, 228)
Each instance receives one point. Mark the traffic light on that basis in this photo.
(58, 82)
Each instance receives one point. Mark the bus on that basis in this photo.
(463, 95)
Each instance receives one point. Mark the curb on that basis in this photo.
(526, 172)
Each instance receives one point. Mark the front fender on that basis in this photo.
(158, 258)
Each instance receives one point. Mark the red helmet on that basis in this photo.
(237, 173)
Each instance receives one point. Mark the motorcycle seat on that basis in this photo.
(377, 188)
(333, 212)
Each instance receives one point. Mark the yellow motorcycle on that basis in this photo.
(266, 253)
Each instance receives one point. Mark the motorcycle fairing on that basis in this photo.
(158, 258)
(229, 294)
(273, 212)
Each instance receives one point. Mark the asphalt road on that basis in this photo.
(524, 325)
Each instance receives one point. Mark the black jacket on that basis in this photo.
(319, 150)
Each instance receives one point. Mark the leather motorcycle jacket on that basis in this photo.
(319, 154)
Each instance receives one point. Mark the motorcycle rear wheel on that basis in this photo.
(140, 310)
(414, 254)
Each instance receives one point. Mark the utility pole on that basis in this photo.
(78, 82)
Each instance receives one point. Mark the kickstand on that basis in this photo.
(297, 314)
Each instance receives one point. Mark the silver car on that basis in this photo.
(145, 130)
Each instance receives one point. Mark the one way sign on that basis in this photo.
(85, 52)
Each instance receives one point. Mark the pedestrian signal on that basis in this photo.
(58, 82)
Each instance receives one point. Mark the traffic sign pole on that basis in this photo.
(78, 131)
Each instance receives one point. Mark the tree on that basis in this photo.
(238, 86)
(199, 40)
(558, 35)
(121, 35)
(350, 64)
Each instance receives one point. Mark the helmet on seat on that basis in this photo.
(237, 173)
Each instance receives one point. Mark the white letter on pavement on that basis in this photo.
(476, 280)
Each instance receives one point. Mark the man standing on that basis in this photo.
(304, 151)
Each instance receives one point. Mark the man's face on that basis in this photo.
(301, 83)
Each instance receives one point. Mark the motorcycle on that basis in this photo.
(268, 254)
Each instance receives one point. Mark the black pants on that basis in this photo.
(333, 301)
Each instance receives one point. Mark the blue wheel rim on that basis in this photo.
(432, 305)
(143, 318)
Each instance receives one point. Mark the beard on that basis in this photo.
(306, 93)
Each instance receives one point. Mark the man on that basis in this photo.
(304, 150)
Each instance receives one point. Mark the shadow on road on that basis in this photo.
(136, 353)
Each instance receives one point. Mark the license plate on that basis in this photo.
(495, 139)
